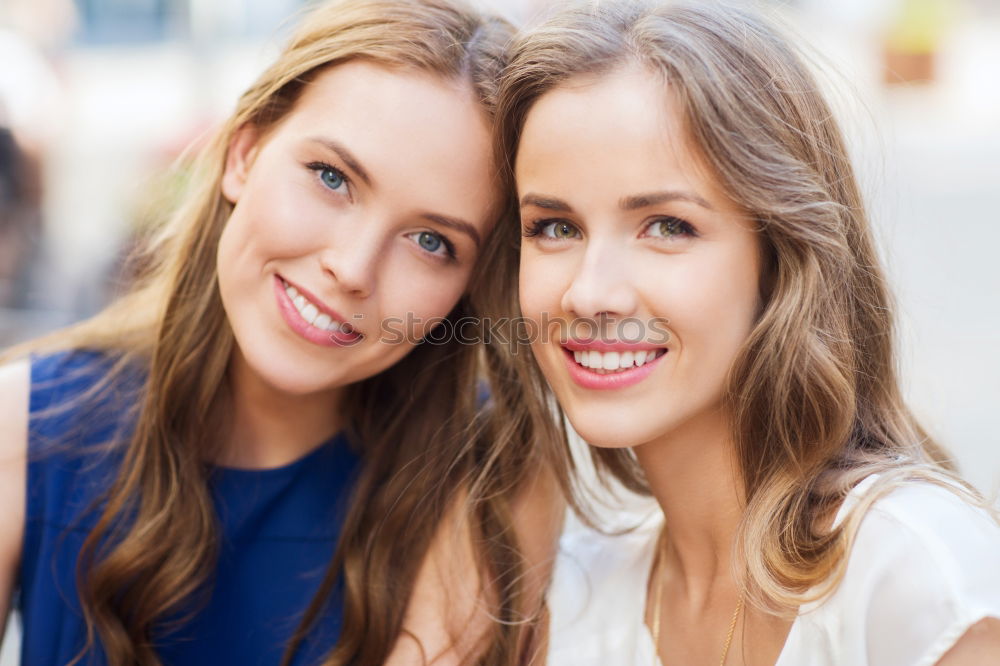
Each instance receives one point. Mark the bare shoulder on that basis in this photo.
(538, 514)
(443, 618)
(15, 386)
(449, 610)
(979, 645)
(15, 389)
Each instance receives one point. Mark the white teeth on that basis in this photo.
(603, 363)
(311, 313)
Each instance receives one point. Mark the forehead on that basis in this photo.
(402, 124)
(406, 95)
(626, 124)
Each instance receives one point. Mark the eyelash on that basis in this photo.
(320, 167)
(536, 228)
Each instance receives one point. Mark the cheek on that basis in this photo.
(712, 309)
(277, 219)
(540, 284)
(231, 252)
(421, 297)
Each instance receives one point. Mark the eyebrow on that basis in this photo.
(347, 156)
(548, 203)
(454, 223)
(634, 202)
(638, 201)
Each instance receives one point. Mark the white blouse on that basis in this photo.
(925, 566)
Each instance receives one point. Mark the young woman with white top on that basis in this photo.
(716, 324)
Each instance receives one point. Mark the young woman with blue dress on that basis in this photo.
(257, 455)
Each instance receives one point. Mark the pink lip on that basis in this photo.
(605, 346)
(588, 379)
(305, 330)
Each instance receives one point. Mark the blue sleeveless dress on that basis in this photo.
(279, 528)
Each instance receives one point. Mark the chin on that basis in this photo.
(281, 367)
(286, 376)
(612, 428)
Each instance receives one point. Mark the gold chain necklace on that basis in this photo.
(658, 605)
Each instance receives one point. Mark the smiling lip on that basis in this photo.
(306, 330)
(589, 379)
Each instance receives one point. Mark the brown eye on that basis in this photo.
(669, 227)
(560, 230)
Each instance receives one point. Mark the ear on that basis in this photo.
(239, 158)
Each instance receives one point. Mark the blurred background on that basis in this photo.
(99, 98)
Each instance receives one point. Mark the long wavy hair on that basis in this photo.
(814, 396)
(425, 442)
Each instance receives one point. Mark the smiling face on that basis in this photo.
(361, 210)
(625, 228)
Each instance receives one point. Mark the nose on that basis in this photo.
(602, 286)
(352, 261)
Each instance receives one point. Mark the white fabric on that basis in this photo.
(925, 566)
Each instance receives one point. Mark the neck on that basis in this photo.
(694, 477)
(269, 427)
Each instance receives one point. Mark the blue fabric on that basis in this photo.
(279, 529)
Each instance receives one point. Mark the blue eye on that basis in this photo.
(332, 178)
(429, 241)
(433, 243)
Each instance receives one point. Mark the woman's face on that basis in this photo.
(356, 224)
(639, 269)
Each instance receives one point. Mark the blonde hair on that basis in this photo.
(815, 401)
(412, 421)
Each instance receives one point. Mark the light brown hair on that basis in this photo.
(424, 440)
(814, 397)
